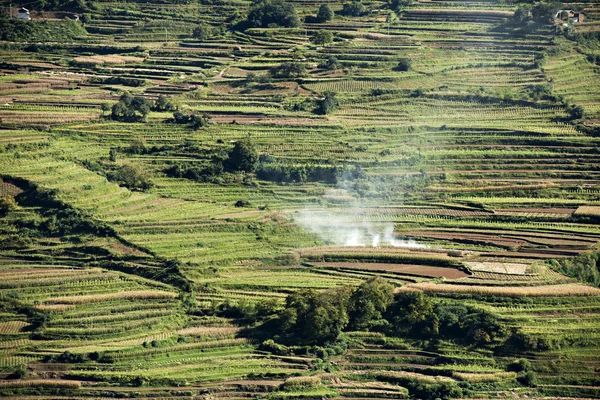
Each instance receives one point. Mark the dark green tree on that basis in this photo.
(130, 109)
(131, 176)
(243, 157)
(288, 70)
(163, 104)
(325, 13)
(353, 9)
(271, 13)
(412, 314)
(369, 302)
(322, 37)
(203, 32)
(545, 11)
(522, 14)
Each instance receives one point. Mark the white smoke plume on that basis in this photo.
(345, 230)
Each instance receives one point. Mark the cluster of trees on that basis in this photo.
(243, 157)
(131, 176)
(270, 14)
(542, 12)
(585, 267)
(118, 80)
(317, 318)
(288, 70)
(298, 173)
(328, 104)
(130, 108)
(16, 30)
(353, 9)
(194, 120)
(205, 31)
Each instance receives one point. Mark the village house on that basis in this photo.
(23, 13)
(569, 15)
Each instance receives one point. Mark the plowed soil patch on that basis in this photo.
(420, 270)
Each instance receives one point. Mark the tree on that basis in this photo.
(203, 32)
(243, 157)
(545, 12)
(325, 13)
(271, 13)
(322, 37)
(399, 4)
(327, 104)
(199, 121)
(315, 317)
(369, 302)
(522, 14)
(137, 146)
(404, 64)
(163, 104)
(412, 314)
(130, 109)
(131, 176)
(353, 9)
(288, 70)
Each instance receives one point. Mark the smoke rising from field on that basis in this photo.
(342, 230)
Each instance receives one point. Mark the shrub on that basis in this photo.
(520, 365)
(327, 104)
(404, 64)
(331, 64)
(527, 378)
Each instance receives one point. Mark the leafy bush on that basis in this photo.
(331, 64)
(404, 64)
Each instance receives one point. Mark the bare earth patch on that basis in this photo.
(420, 270)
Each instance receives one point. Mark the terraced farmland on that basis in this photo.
(176, 180)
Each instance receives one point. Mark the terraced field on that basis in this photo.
(470, 179)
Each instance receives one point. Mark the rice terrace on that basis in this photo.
(299, 199)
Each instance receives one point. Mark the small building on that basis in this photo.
(570, 15)
(23, 13)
